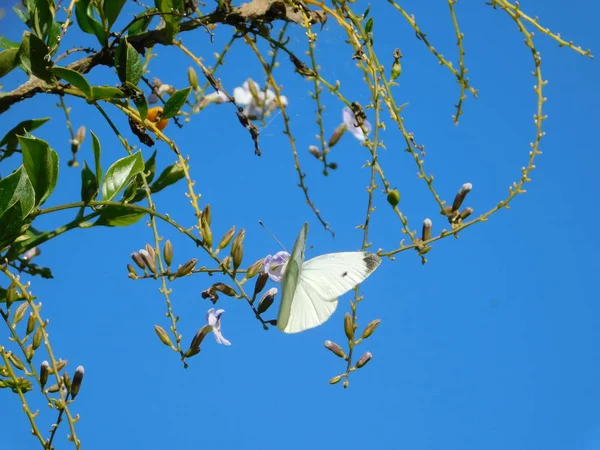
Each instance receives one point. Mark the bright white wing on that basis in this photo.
(322, 280)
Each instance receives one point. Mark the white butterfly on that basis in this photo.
(311, 289)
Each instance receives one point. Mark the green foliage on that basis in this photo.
(41, 164)
(75, 78)
(8, 60)
(33, 54)
(173, 10)
(119, 174)
(85, 13)
(128, 63)
(175, 103)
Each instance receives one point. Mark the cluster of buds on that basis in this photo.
(159, 89)
(145, 259)
(75, 144)
(72, 386)
(452, 212)
(350, 329)
(267, 299)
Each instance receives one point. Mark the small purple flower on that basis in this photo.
(274, 266)
(257, 104)
(350, 122)
(214, 320)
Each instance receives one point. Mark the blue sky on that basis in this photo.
(493, 344)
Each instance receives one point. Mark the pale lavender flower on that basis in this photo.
(257, 103)
(217, 97)
(214, 320)
(274, 266)
(351, 124)
(160, 90)
(31, 253)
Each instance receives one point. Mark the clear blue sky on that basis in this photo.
(491, 345)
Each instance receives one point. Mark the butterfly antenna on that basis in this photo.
(272, 235)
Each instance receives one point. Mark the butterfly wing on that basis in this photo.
(291, 278)
(319, 283)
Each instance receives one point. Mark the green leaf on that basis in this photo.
(112, 8)
(134, 191)
(7, 43)
(17, 188)
(142, 22)
(24, 17)
(8, 60)
(119, 174)
(43, 18)
(128, 63)
(139, 99)
(106, 93)
(53, 36)
(171, 175)
(41, 164)
(175, 10)
(89, 184)
(75, 78)
(150, 167)
(84, 12)
(97, 152)
(32, 54)
(10, 138)
(118, 216)
(175, 102)
(369, 25)
(11, 223)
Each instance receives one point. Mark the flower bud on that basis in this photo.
(131, 271)
(225, 240)
(37, 338)
(77, 379)
(396, 69)
(206, 213)
(337, 134)
(148, 260)
(226, 262)
(237, 249)
(80, 135)
(205, 231)
(151, 252)
(266, 300)
(193, 78)
(31, 253)
(44, 370)
(335, 380)
(261, 282)
(163, 336)
(168, 253)
(426, 234)
(16, 361)
(20, 313)
(11, 295)
(60, 365)
(364, 359)
(466, 213)
(348, 326)
(254, 269)
(66, 379)
(138, 260)
(393, 197)
(335, 349)
(371, 328)
(314, 150)
(186, 269)
(30, 324)
(252, 88)
(460, 196)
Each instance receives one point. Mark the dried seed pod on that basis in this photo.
(225, 289)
